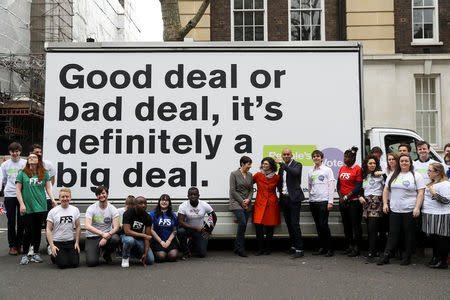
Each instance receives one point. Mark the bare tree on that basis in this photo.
(171, 20)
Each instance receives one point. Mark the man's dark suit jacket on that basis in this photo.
(293, 180)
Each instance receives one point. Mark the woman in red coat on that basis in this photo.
(266, 212)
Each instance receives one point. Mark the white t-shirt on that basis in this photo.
(10, 170)
(319, 181)
(194, 215)
(373, 185)
(422, 168)
(102, 219)
(52, 172)
(403, 195)
(63, 220)
(121, 211)
(431, 206)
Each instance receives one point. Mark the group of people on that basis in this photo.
(400, 200)
(395, 198)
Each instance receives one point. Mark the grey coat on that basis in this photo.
(240, 188)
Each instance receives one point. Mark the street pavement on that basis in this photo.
(223, 275)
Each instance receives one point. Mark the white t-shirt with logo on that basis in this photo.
(319, 183)
(63, 220)
(373, 185)
(194, 215)
(102, 219)
(434, 207)
(422, 168)
(403, 194)
(52, 172)
(10, 170)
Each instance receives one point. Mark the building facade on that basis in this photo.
(405, 44)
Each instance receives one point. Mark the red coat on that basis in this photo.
(266, 210)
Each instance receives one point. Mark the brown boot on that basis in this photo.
(19, 250)
(12, 251)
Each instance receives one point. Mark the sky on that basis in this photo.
(149, 14)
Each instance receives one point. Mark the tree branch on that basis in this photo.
(194, 21)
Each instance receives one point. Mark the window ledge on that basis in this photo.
(427, 43)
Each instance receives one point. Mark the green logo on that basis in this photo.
(300, 153)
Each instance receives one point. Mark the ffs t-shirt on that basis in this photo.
(163, 225)
(137, 222)
(63, 220)
(431, 206)
(194, 215)
(348, 178)
(33, 192)
(10, 170)
(319, 180)
(373, 185)
(102, 219)
(403, 194)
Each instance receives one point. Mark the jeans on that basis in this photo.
(197, 245)
(319, 211)
(33, 228)
(351, 219)
(15, 237)
(93, 250)
(400, 222)
(242, 218)
(130, 245)
(291, 211)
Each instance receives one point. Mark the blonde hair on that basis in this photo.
(441, 174)
(65, 190)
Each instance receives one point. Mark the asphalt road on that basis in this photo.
(222, 275)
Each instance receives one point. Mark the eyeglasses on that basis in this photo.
(431, 170)
(32, 157)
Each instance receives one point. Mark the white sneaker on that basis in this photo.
(31, 251)
(49, 250)
(125, 262)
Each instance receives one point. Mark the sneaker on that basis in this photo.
(353, 253)
(298, 254)
(321, 251)
(31, 251)
(25, 260)
(383, 260)
(125, 262)
(36, 258)
(49, 250)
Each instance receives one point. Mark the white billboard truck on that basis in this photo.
(154, 118)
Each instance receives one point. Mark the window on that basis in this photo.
(249, 19)
(425, 23)
(427, 108)
(307, 20)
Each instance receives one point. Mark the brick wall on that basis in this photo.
(332, 20)
(403, 29)
(278, 20)
(220, 20)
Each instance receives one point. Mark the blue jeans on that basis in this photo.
(242, 218)
(130, 245)
(197, 245)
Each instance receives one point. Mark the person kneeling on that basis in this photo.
(60, 229)
(137, 225)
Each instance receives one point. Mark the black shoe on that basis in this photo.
(267, 252)
(370, 258)
(353, 253)
(259, 252)
(298, 254)
(107, 258)
(290, 251)
(383, 260)
(321, 251)
(433, 261)
(329, 253)
(347, 251)
(406, 261)
(242, 254)
(440, 265)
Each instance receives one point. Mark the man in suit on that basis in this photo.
(291, 196)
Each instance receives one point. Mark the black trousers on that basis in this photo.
(267, 242)
(93, 248)
(375, 233)
(32, 225)
(351, 219)
(67, 256)
(291, 212)
(319, 211)
(15, 236)
(398, 223)
(441, 246)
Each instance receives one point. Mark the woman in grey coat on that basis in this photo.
(241, 192)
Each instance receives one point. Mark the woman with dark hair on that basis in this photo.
(241, 192)
(436, 215)
(164, 230)
(266, 212)
(371, 199)
(31, 185)
(348, 187)
(404, 189)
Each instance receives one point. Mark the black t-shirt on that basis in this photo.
(137, 222)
